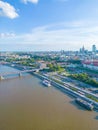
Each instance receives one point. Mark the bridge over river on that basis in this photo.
(17, 73)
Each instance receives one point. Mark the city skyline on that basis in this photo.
(31, 25)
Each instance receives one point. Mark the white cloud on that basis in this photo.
(7, 10)
(32, 1)
(7, 35)
(68, 36)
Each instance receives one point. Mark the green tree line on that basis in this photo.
(85, 78)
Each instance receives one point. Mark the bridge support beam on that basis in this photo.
(20, 74)
(1, 77)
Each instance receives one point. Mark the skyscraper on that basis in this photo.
(93, 48)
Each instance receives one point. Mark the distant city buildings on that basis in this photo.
(89, 59)
(83, 50)
(94, 48)
(91, 64)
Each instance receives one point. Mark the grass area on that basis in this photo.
(60, 82)
(74, 89)
(83, 77)
(92, 97)
(66, 73)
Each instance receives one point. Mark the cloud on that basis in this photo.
(68, 36)
(31, 1)
(7, 10)
(7, 35)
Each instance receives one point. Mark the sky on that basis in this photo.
(48, 25)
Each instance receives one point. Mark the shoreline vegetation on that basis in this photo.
(83, 77)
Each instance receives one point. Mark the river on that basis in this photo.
(25, 104)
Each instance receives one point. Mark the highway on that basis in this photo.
(79, 89)
(68, 90)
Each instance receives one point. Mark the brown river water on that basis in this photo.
(25, 104)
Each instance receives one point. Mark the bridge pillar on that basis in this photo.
(1, 77)
(20, 74)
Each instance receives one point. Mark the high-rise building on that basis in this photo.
(93, 48)
(82, 50)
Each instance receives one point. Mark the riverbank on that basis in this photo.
(25, 104)
(61, 86)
